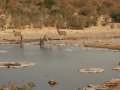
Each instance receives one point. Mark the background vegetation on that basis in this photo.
(61, 13)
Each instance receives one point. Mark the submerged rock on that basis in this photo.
(92, 70)
(15, 64)
(117, 68)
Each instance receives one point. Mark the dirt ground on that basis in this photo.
(100, 37)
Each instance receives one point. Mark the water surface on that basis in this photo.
(58, 64)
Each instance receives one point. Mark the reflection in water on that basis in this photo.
(54, 88)
(21, 46)
(45, 49)
(60, 48)
(46, 52)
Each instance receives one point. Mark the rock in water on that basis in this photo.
(52, 82)
(92, 70)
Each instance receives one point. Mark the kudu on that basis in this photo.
(18, 34)
(43, 40)
(61, 33)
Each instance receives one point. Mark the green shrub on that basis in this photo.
(85, 11)
(28, 1)
(75, 23)
(116, 16)
(49, 3)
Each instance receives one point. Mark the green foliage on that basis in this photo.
(116, 16)
(76, 23)
(85, 11)
(28, 1)
(49, 3)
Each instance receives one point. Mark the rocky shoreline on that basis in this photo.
(112, 84)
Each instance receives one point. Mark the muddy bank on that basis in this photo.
(107, 44)
(98, 37)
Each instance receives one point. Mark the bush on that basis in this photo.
(49, 3)
(90, 21)
(115, 16)
(75, 23)
(59, 12)
(85, 11)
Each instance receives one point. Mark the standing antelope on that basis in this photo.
(42, 40)
(16, 33)
(61, 33)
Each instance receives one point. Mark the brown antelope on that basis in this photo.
(43, 40)
(16, 33)
(61, 33)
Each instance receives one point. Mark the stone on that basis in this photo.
(92, 70)
(52, 82)
(117, 68)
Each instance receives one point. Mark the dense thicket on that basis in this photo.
(61, 13)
